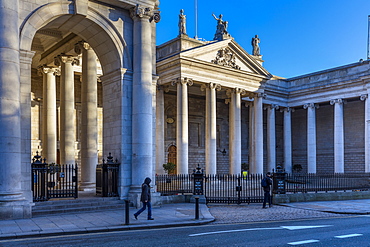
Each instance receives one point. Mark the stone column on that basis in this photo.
(258, 133)
(142, 94)
(311, 136)
(287, 139)
(251, 161)
(271, 137)
(367, 131)
(338, 136)
(12, 200)
(160, 122)
(49, 130)
(235, 143)
(182, 128)
(89, 119)
(67, 106)
(211, 126)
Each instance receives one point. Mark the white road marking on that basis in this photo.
(349, 236)
(259, 229)
(238, 230)
(304, 242)
(303, 227)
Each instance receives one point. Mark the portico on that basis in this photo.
(214, 71)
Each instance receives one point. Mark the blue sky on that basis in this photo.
(297, 36)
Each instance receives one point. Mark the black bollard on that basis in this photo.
(127, 211)
(196, 207)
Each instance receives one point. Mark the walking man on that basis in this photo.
(266, 183)
(145, 199)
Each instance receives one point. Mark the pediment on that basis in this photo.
(228, 54)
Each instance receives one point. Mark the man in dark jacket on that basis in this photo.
(145, 199)
(266, 189)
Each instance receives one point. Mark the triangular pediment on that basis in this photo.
(228, 54)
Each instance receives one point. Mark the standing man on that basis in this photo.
(266, 183)
(145, 199)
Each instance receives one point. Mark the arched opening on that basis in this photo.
(58, 36)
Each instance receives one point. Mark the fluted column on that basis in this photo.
(258, 132)
(89, 119)
(235, 147)
(182, 124)
(287, 139)
(271, 137)
(142, 93)
(49, 130)
(338, 136)
(311, 137)
(67, 106)
(211, 127)
(365, 98)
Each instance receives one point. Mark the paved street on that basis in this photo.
(338, 231)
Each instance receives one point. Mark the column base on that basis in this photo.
(15, 210)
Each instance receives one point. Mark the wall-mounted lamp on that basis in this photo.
(223, 152)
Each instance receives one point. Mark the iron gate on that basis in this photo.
(231, 189)
(53, 181)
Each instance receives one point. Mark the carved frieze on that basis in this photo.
(226, 57)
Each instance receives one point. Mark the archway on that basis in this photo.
(54, 29)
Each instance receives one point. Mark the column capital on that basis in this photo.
(82, 45)
(58, 60)
(165, 88)
(44, 69)
(310, 105)
(363, 97)
(140, 11)
(182, 80)
(248, 104)
(260, 95)
(337, 101)
(235, 91)
(272, 107)
(287, 109)
(210, 85)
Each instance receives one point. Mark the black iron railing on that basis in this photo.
(327, 182)
(54, 181)
(247, 188)
(174, 184)
(217, 188)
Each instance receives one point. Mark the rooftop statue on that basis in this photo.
(255, 44)
(182, 23)
(221, 31)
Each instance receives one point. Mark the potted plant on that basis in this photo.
(170, 168)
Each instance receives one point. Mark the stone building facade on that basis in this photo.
(83, 78)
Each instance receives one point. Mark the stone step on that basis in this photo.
(59, 206)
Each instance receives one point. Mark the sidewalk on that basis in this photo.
(338, 207)
(167, 215)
